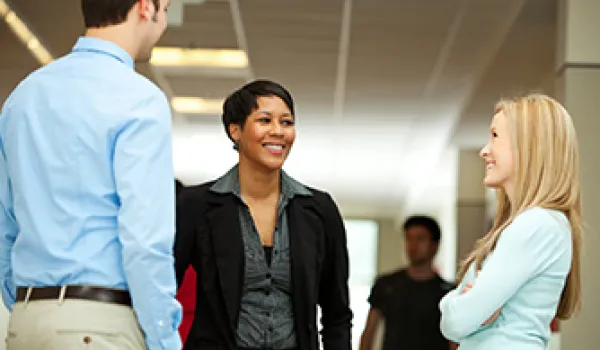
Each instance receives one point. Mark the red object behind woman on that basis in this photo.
(187, 297)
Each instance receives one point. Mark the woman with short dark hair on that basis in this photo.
(266, 249)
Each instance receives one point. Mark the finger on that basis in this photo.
(493, 318)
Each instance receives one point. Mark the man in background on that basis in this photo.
(87, 193)
(407, 300)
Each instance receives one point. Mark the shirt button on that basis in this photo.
(161, 323)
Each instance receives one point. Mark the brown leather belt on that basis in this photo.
(115, 296)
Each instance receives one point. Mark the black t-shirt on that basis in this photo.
(410, 309)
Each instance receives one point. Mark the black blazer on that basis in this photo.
(209, 238)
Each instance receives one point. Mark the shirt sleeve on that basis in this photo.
(375, 298)
(143, 171)
(532, 242)
(8, 231)
(334, 296)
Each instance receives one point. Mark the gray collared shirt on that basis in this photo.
(266, 317)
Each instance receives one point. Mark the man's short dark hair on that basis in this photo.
(102, 13)
(241, 103)
(427, 223)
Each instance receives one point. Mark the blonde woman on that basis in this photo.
(525, 271)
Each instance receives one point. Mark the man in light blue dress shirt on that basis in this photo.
(87, 193)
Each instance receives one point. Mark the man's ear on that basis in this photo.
(145, 9)
(235, 131)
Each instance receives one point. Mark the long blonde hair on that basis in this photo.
(546, 156)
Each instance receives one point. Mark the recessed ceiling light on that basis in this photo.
(197, 105)
(176, 56)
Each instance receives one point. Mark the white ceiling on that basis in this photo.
(384, 88)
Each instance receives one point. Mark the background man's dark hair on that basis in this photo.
(426, 222)
(102, 13)
(240, 104)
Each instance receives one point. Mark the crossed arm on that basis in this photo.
(526, 247)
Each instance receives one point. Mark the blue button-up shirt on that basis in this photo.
(86, 185)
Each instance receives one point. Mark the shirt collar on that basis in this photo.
(230, 183)
(103, 47)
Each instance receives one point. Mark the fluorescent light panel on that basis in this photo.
(197, 105)
(24, 34)
(176, 56)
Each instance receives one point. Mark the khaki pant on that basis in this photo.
(73, 324)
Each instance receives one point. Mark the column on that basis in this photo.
(578, 88)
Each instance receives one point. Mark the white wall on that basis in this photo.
(362, 249)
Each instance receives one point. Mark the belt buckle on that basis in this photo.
(28, 294)
(61, 296)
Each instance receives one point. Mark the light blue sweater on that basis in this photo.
(524, 277)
